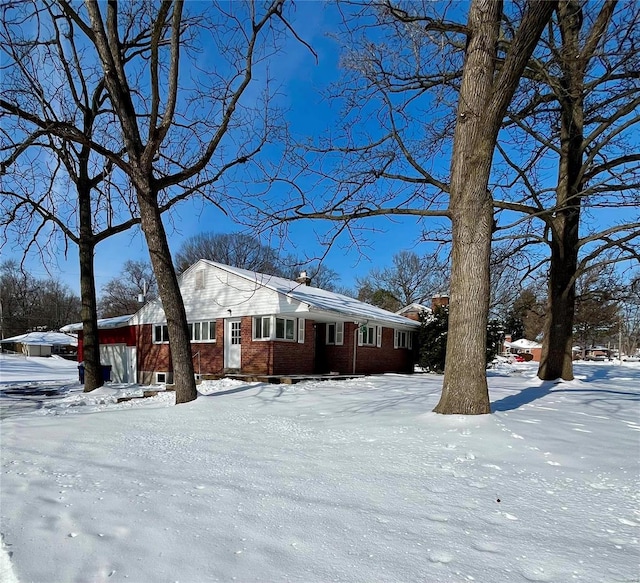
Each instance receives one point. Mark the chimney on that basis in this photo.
(303, 278)
(439, 301)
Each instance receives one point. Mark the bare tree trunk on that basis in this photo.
(557, 357)
(465, 385)
(483, 101)
(170, 296)
(86, 249)
(90, 341)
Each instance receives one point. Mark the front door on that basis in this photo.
(232, 343)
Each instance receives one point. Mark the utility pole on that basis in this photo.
(620, 340)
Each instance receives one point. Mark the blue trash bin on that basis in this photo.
(106, 372)
(105, 369)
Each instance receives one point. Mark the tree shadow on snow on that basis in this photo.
(531, 394)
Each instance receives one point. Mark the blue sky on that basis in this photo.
(302, 81)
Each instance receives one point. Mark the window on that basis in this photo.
(262, 328)
(335, 333)
(203, 331)
(160, 334)
(285, 328)
(161, 377)
(209, 331)
(276, 328)
(236, 332)
(200, 279)
(370, 335)
(198, 332)
(402, 339)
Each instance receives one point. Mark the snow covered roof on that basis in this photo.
(319, 299)
(104, 323)
(415, 307)
(523, 343)
(43, 339)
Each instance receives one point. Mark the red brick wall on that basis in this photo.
(278, 357)
(207, 356)
(125, 335)
(295, 357)
(256, 356)
(151, 357)
(369, 359)
(340, 358)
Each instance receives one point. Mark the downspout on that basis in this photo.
(355, 345)
(355, 342)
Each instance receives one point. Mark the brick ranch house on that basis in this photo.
(247, 322)
(531, 351)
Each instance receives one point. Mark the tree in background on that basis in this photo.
(235, 249)
(597, 311)
(410, 279)
(30, 304)
(247, 252)
(418, 75)
(629, 324)
(181, 139)
(578, 111)
(121, 295)
(526, 317)
(432, 340)
(377, 296)
(57, 191)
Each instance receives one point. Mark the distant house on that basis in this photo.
(416, 310)
(248, 322)
(528, 349)
(41, 344)
(597, 353)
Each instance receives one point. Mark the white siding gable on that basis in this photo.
(223, 291)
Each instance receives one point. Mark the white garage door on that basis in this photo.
(116, 356)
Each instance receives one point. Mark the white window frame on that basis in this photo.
(403, 339)
(373, 335)
(286, 320)
(258, 322)
(194, 326)
(338, 333)
(161, 378)
(164, 334)
(296, 328)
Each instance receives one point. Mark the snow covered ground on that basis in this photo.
(350, 481)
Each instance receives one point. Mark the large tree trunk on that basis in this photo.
(170, 296)
(90, 341)
(556, 361)
(86, 249)
(465, 389)
(482, 104)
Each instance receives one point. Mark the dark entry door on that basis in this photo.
(321, 364)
